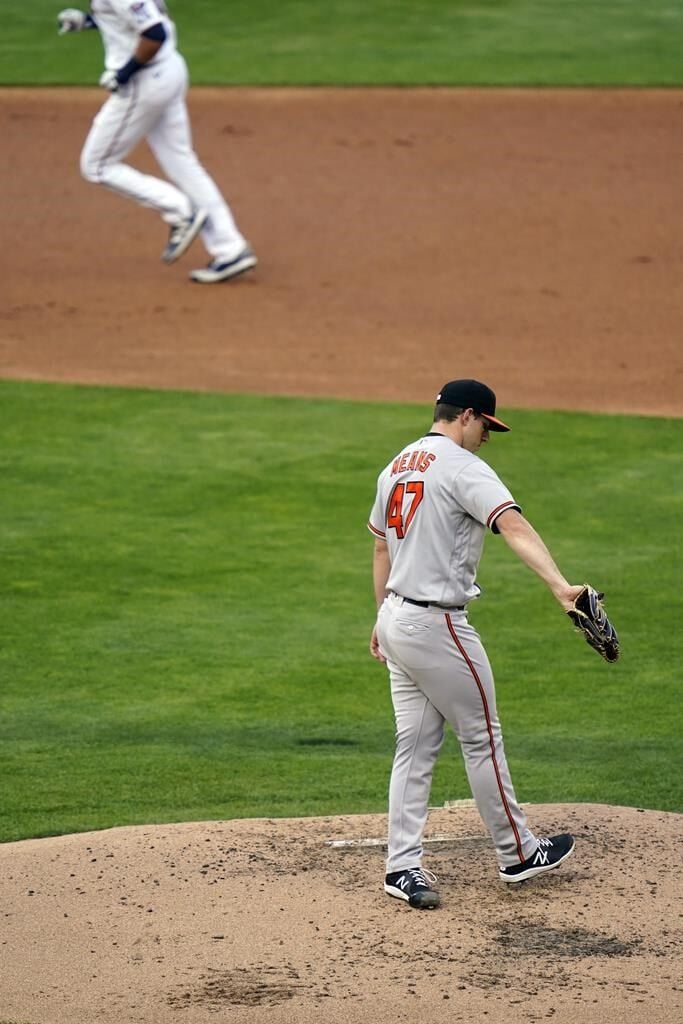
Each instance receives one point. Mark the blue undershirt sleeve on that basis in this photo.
(156, 32)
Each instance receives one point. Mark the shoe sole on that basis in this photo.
(209, 277)
(197, 225)
(541, 869)
(428, 900)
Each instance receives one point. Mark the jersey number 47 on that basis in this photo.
(403, 504)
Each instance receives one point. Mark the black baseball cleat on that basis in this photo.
(415, 886)
(549, 854)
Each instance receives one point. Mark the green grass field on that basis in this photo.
(185, 592)
(186, 605)
(352, 42)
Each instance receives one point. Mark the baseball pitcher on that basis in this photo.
(435, 501)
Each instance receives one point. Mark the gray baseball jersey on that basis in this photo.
(434, 502)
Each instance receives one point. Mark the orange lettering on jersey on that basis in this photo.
(425, 461)
(396, 520)
(419, 460)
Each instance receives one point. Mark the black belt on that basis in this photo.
(429, 604)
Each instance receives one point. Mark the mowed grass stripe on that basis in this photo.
(186, 603)
(387, 42)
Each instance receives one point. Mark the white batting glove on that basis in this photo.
(108, 80)
(70, 20)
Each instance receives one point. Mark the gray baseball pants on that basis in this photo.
(440, 673)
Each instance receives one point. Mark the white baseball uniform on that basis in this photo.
(434, 503)
(151, 106)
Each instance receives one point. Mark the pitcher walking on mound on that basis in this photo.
(435, 500)
(148, 82)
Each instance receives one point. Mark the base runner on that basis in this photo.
(148, 81)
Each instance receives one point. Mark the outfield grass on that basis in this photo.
(186, 604)
(396, 42)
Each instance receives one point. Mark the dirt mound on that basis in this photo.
(286, 920)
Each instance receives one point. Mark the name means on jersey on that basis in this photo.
(419, 460)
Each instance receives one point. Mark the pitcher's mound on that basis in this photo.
(286, 921)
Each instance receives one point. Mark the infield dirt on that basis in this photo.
(532, 240)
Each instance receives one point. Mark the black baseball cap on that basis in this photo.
(472, 394)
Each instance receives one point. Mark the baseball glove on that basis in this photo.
(590, 618)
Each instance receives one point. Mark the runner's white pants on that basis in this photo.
(152, 106)
(440, 673)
